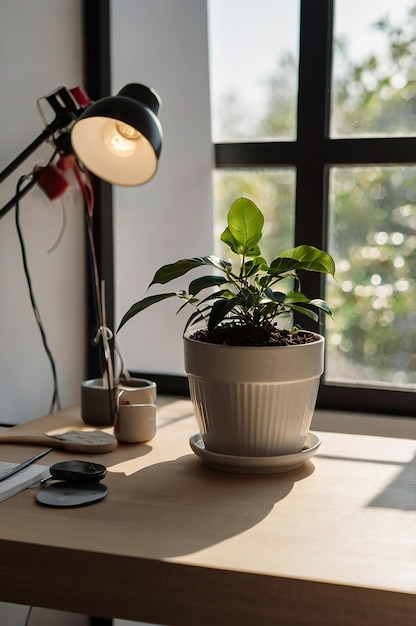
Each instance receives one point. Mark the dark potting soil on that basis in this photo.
(239, 335)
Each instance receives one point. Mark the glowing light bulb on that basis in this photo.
(127, 131)
(120, 138)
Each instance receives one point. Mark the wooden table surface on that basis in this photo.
(175, 542)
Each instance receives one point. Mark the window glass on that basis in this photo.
(253, 56)
(372, 338)
(374, 77)
(273, 190)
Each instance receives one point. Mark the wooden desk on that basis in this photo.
(332, 543)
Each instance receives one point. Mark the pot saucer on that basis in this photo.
(255, 464)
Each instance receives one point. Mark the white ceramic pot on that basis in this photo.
(251, 401)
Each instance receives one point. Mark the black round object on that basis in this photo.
(77, 471)
(69, 494)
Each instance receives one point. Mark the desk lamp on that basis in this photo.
(120, 138)
(117, 138)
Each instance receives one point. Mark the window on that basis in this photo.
(320, 131)
(314, 118)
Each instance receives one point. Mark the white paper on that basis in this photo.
(28, 477)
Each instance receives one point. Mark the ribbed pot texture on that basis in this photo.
(251, 401)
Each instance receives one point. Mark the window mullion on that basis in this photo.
(383, 150)
(255, 154)
(313, 116)
(312, 130)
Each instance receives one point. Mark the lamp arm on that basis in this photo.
(22, 192)
(44, 136)
(53, 127)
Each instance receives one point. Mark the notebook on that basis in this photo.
(28, 477)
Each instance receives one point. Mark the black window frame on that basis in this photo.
(311, 154)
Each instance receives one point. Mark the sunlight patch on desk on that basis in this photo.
(175, 411)
(130, 467)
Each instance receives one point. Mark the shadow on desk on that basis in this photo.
(181, 507)
(401, 492)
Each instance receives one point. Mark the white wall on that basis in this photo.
(163, 44)
(40, 49)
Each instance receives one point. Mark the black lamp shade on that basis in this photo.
(119, 138)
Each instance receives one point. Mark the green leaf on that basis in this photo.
(275, 296)
(194, 319)
(244, 230)
(305, 258)
(282, 265)
(205, 282)
(221, 264)
(311, 308)
(306, 311)
(175, 270)
(188, 300)
(271, 309)
(247, 298)
(322, 305)
(218, 295)
(258, 264)
(144, 304)
(220, 310)
(296, 297)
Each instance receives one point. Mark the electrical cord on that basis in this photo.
(103, 333)
(29, 613)
(84, 181)
(61, 232)
(55, 402)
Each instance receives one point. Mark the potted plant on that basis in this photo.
(253, 382)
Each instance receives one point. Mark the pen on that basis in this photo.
(18, 468)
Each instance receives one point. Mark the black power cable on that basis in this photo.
(55, 403)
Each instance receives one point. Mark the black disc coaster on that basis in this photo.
(67, 494)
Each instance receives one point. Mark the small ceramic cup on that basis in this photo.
(98, 403)
(136, 391)
(135, 423)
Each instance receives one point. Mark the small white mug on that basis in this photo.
(136, 391)
(135, 423)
